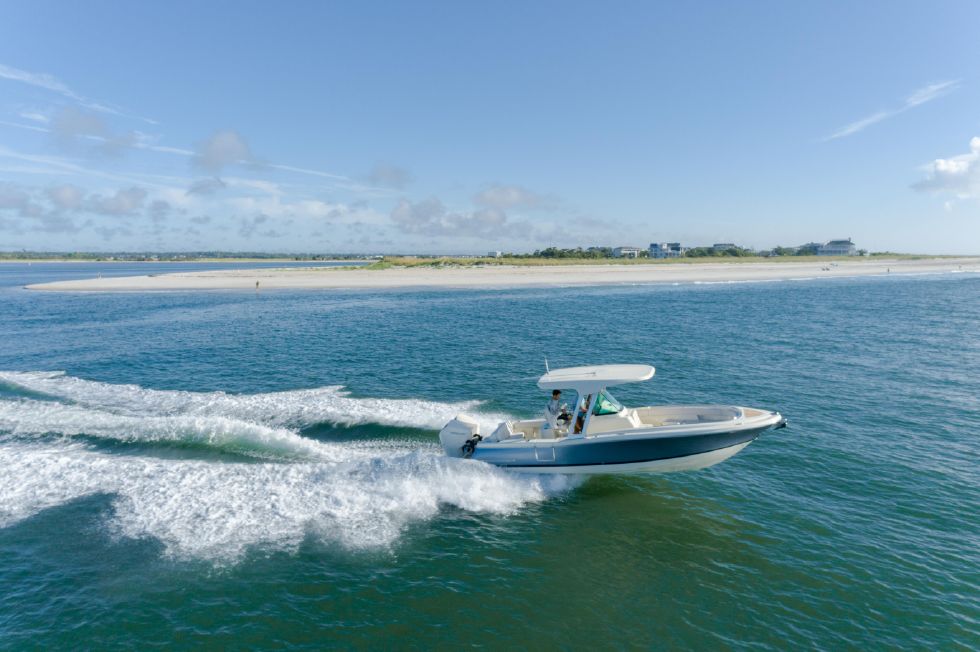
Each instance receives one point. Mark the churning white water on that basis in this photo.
(360, 494)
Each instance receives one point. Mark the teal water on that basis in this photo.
(262, 470)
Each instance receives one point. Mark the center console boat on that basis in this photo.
(606, 437)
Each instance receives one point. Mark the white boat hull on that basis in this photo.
(685, 438)
(687, 463)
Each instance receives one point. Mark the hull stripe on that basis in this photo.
(654, 459)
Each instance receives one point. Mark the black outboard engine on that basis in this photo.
(470, 446)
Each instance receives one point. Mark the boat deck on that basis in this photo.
(638, 418)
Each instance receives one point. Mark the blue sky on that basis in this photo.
(465, 127)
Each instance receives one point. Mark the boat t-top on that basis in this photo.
(603, 436)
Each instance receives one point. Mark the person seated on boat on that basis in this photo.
(583, 410)
(555, 413)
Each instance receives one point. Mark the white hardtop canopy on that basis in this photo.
(588, 380)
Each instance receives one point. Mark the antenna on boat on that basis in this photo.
(546, 367)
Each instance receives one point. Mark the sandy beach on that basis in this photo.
(506, 276)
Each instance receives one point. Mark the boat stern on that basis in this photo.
(455, 435)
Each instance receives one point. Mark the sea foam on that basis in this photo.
(360, 495)
(219, 511)
(294, 408)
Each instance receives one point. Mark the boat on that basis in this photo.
(607, 437)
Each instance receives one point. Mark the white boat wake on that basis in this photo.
(359, 494)
(295, 408)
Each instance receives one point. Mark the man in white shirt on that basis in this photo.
(553, 409)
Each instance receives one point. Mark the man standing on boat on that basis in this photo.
(553, 409)
(583, 411)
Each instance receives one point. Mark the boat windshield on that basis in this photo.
(606, 404)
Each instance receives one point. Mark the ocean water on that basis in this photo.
(240, 469)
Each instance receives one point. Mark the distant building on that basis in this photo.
(837, 248)
(495, 254)
(666, 250)
(722, 246)
(626, 252)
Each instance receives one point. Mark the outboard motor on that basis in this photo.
(462, 432)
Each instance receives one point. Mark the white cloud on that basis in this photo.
(959, 175)
(222, 149)
(126, 201)
(76, 125)
(73, 130)
(389, 176)
(858, 125)
(431, 218)
(16, 199)
(248, 226)
(267, 187)
(41, 80)
(931, 92)
(55, 85)
(917, 98)
(158, 210)
(276, 207)
(315, 173)
(22, 204)
(207, 186)
(35, 116)
(66, 196)
(17, 125)
(505, 197)
(70, 124)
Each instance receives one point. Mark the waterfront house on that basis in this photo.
(666, 250)
(837, 248)
(626, 252)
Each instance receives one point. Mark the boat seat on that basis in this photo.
(504, 432)
(611, 423)
(634, 419)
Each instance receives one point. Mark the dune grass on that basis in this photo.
(389, 262)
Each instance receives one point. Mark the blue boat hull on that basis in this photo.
(604, 454)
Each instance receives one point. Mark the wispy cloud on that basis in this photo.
(17, 125)
(55, 85)
(222, 149)
(505, 197)
(387, 175)
(207, 186)
(67, 129)
(59, 166)
(917, 98)
(315, 173)
(35, 116)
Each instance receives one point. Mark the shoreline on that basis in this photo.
(48, 261)
(503, 276)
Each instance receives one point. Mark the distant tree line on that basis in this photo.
(710, 252)
(577, 252)
(163, 256)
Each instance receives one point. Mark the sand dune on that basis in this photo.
(507, 276)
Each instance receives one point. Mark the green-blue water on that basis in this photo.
(261, 470)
